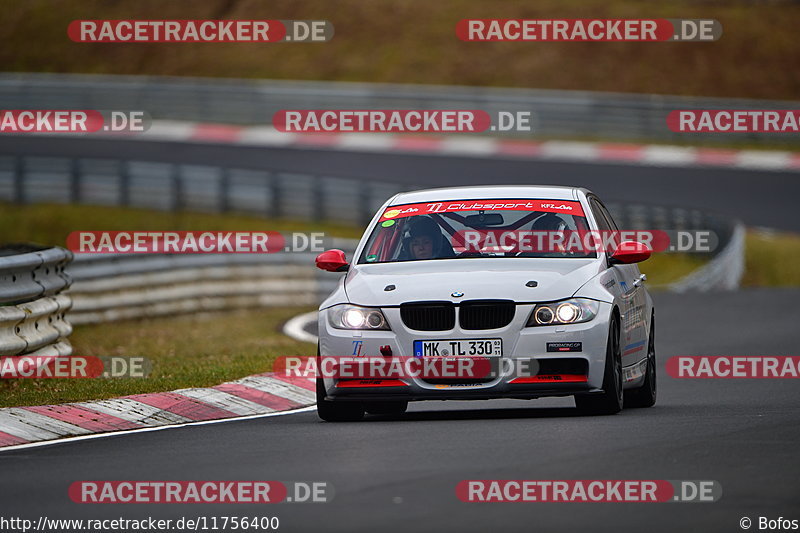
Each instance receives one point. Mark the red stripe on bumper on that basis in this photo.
(552, 378)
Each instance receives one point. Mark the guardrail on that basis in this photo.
(32, 310)
(126, 286)
(568, 114)
(724, 272)
(167, 186)
(276, 194)
(115, 287)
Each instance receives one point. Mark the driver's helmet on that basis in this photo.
(552, 224)
(549, 222)
(424, 226)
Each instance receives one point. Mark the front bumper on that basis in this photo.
(519, 343)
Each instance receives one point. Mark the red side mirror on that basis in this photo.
(332, 261)
(630, 252)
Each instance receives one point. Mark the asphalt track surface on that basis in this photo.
(758, 198)
(400, 473)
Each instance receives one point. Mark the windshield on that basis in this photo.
(475, 229)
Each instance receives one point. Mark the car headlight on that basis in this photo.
(570, 311)
(355, 317)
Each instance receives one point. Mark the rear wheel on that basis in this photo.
(336, 411)
(610, 401)
(645, 396)
(386, 408)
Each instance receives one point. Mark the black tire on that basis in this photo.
(645, 396)
(386, 408)
(610, 401)
(336, 411)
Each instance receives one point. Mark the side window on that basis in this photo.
(597, 211)
(611, 222)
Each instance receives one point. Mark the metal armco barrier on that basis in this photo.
(115, 287)
(165, 186)
(554, 113)
(318, 198)
(126, 286)
(32, 309)
(724, 272)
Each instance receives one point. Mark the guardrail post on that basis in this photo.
(124, 183)
(177, 188)
(317, 199)
(224, 189)
(365, 204)
(19, 180)
(274, 190)
(75, 181)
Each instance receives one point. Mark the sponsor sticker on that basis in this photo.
(564, 346)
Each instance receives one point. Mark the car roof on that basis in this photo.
(482, 192)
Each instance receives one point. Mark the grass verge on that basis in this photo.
(772, 259)
(50, 224)
(187, 351)
(663, 269)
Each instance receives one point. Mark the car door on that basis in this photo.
(632, 327)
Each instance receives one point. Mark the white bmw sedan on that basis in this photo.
(487, 292)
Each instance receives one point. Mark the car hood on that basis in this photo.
(475, 278)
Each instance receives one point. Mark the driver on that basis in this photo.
(425, 240)
(551, 224)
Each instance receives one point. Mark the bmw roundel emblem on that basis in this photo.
(457, 294)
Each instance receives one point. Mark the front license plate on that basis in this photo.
(459, 348)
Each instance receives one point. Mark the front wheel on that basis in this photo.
(336, 411)
(610, 401)
(645, 396)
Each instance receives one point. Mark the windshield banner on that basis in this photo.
(547, 206)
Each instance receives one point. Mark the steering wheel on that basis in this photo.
(469, 253)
